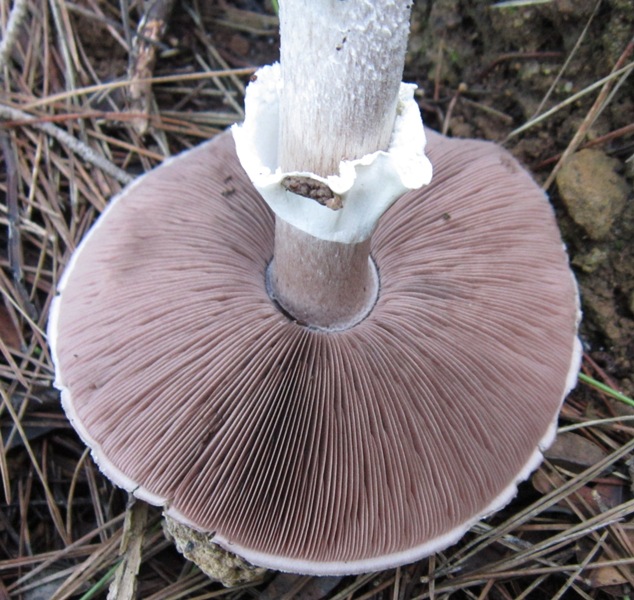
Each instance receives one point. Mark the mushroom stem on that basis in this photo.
(329, 285)
(341, 65)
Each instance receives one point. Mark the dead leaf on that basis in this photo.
(8, 331)
(574, 452)
(606, 577)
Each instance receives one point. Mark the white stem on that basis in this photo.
(330, 139)
(342, 64)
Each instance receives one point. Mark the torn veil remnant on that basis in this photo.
(313, 448)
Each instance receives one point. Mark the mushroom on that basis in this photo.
(354, 433)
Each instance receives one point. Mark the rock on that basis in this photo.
(590, 261)
(592, 191)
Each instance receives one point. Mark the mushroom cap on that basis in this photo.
(311, 451)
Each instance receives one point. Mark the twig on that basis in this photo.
(143, 58)
(124, 584)
(608, 137)
(515, 56)
(489, 110)
(72, 143)
(438, 70)
(462, 88)
(13, 26)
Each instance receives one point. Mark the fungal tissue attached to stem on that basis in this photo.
(344, 207)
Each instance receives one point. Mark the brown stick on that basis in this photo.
(143, 58)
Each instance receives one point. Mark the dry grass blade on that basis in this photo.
(575, 532)
(157, 80)
(535, 509)
(42, 562)
(82, 575)
(602, 100)
(71, 156)
(52, 504)
(572, 53)
(542, 558)
(16, 258)
(608, 79)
